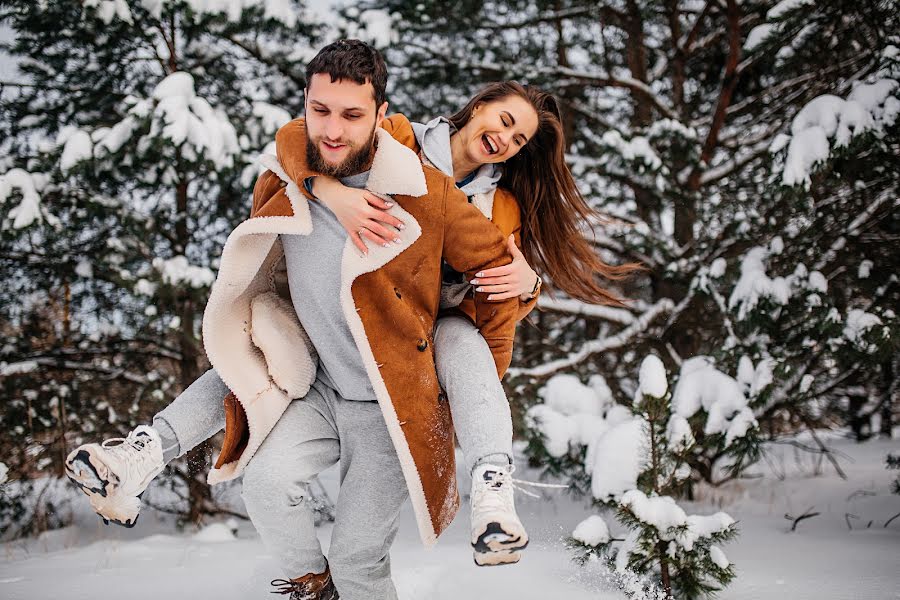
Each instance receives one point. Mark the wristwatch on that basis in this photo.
(536, 289)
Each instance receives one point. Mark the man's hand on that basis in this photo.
(360, 212)
(515, 279)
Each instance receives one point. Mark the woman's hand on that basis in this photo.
(515, 279)
(360, 212)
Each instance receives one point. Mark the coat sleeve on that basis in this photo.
(525, 306)
(471, 244)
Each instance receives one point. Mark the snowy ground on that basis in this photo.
(822, 560)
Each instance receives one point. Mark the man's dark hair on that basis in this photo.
(353, 60)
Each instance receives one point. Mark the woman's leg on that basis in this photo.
(466, 371)
(116, 472)
(194, 416)
(483, 424)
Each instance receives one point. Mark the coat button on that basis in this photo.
(422, 345)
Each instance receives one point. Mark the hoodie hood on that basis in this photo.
(434, 139)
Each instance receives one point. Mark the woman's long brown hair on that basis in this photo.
(551, 206)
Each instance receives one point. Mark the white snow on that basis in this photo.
(818, 282)
(217, 532)
(176, 271)
(783, 7)
(717, 268)
(593, 531)
(718, 557)
(865, 269)
(566, 394)
(78, 147)
(271, 116)
(279, 10)
(25, 366)
(755, 284)
(84, 268)
(664, 514)
(652, 377)
(679, 434)
(91, 562)
(616, 458)
(858, 322)
(572, 412)
(701, 385)
(182, 117)
(29, 209)
(4, 473)
(638, 148)
(758, 35)
(661, 512)
(870, 106)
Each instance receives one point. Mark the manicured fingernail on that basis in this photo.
(479, 289)
(397, 240)
(490, 297)
(390, 204)
(479, 274)
(386, 245)
(474, 282)
(401, 227)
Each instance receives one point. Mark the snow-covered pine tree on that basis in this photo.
(677, 114)
(639, 465)
(129, 142)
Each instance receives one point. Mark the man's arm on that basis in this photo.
(471, 244)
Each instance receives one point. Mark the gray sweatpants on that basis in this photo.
(323, 428)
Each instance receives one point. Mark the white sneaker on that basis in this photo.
(498, 536)
(115, 473)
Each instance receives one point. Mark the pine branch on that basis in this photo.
(590, 348)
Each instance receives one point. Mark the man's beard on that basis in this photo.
(355, 162)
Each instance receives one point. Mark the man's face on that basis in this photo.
(341, 117)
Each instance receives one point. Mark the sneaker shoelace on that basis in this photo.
(496, 492)
(132, 450)
(503, 479)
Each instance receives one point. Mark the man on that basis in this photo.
(326, 354)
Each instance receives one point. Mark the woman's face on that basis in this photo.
(498, 130)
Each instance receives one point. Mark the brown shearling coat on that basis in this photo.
(390, 299)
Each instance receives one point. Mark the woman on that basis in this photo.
(505, 144)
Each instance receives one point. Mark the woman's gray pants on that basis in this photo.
(322, 428)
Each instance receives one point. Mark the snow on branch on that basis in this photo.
(29, 210)
(278, 10)
(829, 121)
(576, 307)
(590, 348)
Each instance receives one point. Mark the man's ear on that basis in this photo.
(379, 116)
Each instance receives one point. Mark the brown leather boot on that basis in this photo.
(312, 586)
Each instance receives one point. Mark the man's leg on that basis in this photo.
(276, 491)
(368, 509)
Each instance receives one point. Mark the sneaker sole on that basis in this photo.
(496, 559)
(514, 540)
(82, 472)
(108, 506)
